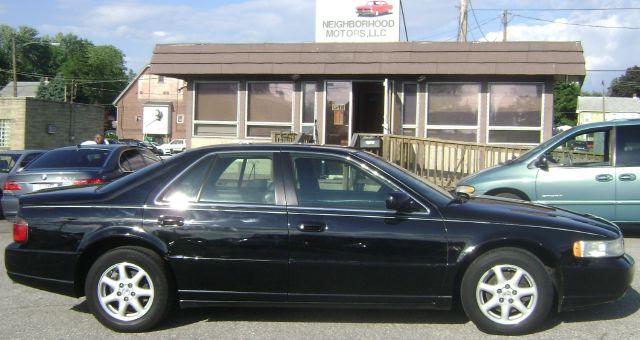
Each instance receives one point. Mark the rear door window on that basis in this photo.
(131, 160)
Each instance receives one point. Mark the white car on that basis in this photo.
(175, 146)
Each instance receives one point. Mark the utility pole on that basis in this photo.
(505, 21)
(462, 31)
(15, 69)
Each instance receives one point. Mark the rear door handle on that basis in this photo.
(627, 177)
(171, 221)
(312, 227)
(604, 178)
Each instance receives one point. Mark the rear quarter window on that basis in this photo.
(71, 158)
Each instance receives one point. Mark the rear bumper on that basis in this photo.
(596, 281)
(46, 270)
(9, 206)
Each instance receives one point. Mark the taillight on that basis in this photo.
(20, 230)
(87, 181)
(11, 186)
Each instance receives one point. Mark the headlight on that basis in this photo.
(611, 248)
(467, 189)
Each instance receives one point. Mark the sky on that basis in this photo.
(135, 26)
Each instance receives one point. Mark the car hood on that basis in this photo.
(497, 210)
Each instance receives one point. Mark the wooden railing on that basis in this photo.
(440, 161)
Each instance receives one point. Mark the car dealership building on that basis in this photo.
(489, 92)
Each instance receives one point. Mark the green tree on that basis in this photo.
(54, 90)
(565, 102)
(626, 85)
(591, 94)
(97, 73)
(34, 54)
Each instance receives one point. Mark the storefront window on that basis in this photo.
(452, 111)
(308, 108)
(409, 108)
(515, 113)
(270, 108)
(216, 109)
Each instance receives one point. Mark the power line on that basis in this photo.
(572, 24)
(558, 9)
(473, 11)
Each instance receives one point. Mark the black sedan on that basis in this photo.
(296, 225)
(74, 165)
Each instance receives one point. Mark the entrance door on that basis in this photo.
(368, 107)
(353, 107)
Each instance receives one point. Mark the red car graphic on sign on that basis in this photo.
(374, 8)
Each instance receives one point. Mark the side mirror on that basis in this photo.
(400, 201)
(542, 162)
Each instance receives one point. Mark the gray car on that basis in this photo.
(73, 166)
(14, 160)
(592, 168)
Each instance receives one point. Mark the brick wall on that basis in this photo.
(42, 124)
(148, 89)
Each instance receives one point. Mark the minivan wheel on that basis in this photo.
(509, 195)
(127, 289)
(507, 291)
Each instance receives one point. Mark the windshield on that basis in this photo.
(379, 161)
(71, 158)
(543, 145)
(7, 161)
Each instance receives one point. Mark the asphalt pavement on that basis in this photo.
(28, 313)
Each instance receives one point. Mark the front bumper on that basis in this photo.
(595, 281)
(47, 270)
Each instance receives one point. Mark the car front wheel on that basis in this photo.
(127, 289)
(507, 291)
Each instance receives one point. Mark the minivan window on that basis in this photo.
(590, 148)
(628, 146)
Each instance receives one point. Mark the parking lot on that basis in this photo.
(30, 313)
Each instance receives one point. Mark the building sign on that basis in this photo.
(357, 21)
(155, 120)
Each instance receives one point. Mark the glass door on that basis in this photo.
(338, 113)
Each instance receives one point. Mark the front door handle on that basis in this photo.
(627, 177)
(312, 227)
(171, 221)
(604, 178)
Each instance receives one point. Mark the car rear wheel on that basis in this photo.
(127, 289)
(507, 291)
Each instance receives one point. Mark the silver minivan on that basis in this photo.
(592, 168)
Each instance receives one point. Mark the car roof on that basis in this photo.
(281, 147)
(617, 122)
(14, 152)
(97, 146)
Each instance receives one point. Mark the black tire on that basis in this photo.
(141, 312)
(525, 311)
(509, 195)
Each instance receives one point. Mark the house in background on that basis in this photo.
(599, 109)
(27, 89)
(151, 107)
(496, 93)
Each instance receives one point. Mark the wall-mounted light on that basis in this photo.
(295, 76)
(421, 78)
